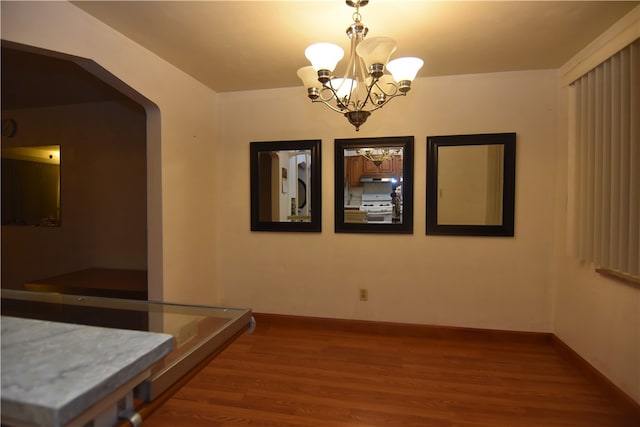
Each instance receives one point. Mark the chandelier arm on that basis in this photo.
(390, 97)
(339, 101)
(393, 85)
(326, 103)
(342, 106)
(333, 95)
(368, 97)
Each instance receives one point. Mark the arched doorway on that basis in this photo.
(103, 128)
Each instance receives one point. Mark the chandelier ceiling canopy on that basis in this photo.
(364, 87)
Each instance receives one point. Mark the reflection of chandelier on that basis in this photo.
(377, 155)
(364, 88)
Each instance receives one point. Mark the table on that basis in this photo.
(199, 333)
(97, 282)
(57, 374)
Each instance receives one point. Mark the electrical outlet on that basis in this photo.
(364, 294)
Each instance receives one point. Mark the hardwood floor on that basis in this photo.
(308, 373)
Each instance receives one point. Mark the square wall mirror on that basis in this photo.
(286, 186)
(31, 185)
(471, 184)
(374, 185)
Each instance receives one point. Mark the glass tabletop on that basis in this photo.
(199, 331)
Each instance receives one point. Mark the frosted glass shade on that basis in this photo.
(405, 68)
(344, 86)
(309, 77)
(376, 50)
(324, 56)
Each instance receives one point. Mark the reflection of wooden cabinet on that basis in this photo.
(357, 166)
(397, 166)
(354, 166)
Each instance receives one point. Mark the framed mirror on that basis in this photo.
(31, 185)
(374, 185)
(471, 184)
(286, 192)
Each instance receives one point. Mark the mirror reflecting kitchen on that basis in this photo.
(285, 186)
(374, 185)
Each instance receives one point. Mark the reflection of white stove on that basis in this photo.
(377, 204)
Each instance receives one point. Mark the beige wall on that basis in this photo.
(483, 282)
(596, 316)
(181, 192)
(102, 152)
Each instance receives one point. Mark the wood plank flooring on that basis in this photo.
(306, 373)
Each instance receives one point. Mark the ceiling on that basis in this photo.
(249, 45)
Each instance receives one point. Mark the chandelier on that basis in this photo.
(378, 155)
(365, 87)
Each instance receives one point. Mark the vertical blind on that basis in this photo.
(605, 114)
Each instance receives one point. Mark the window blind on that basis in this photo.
(605, 114)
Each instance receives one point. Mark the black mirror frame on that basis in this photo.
(406, 227)
(508, 140)
(315, 225)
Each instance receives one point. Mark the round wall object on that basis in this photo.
(9, 127)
